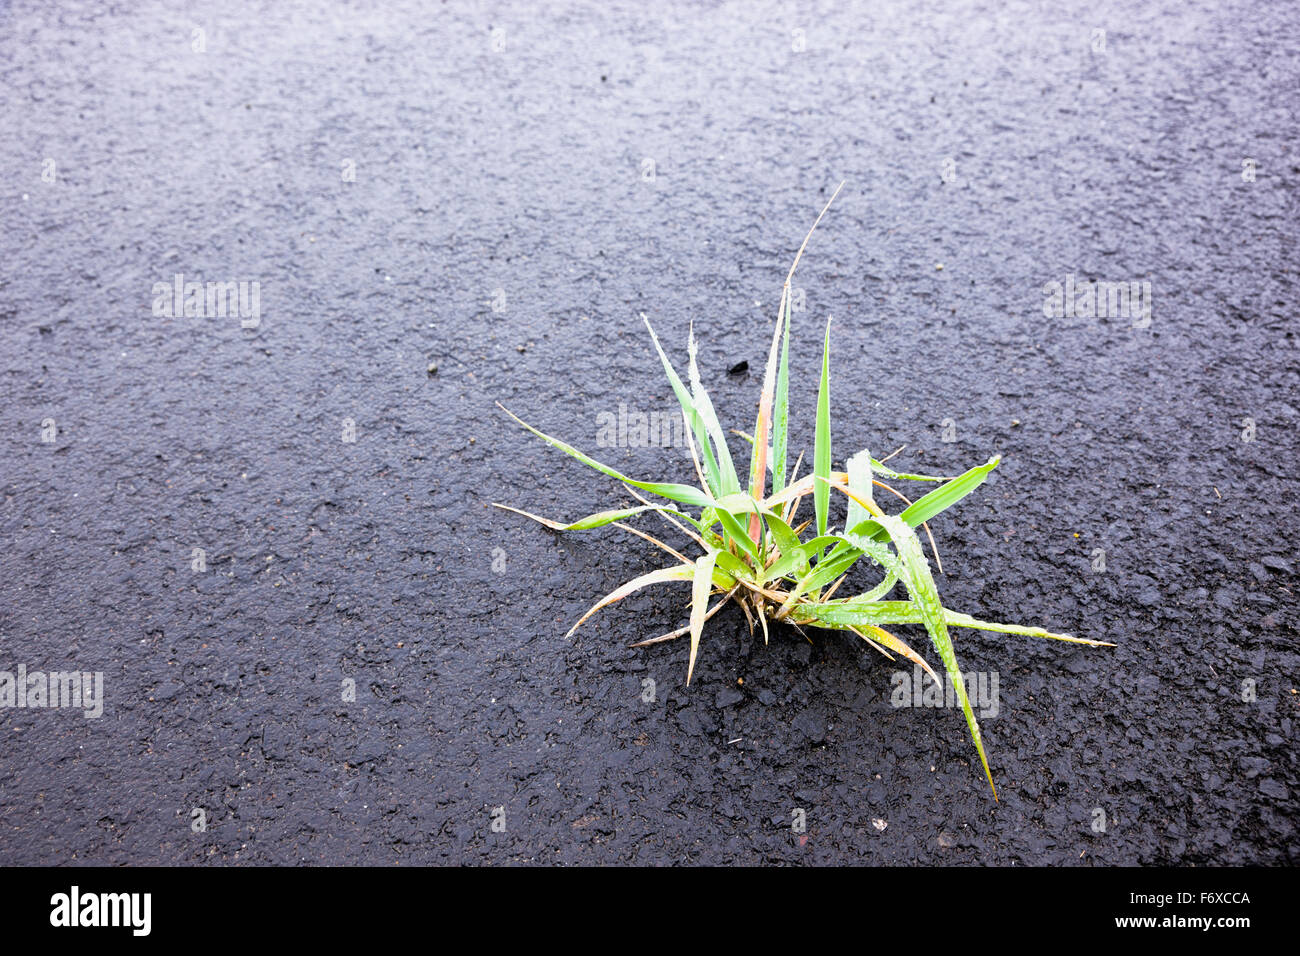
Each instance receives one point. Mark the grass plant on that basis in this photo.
(758, 552)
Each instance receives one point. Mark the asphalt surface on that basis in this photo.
(445, 206)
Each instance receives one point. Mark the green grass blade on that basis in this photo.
(876, 550)
(798, 557)
(783, 534)
(881, 589)
(822, 439)
(831, 567)
(850, 614)
(733, 566)
(700, 588)
(865, 609)
(924, 594)
(736, 503)
(737, 532)
(947, 495)
(687, 494)
(708, 518)
(957, 619)
(887, 473)
(931, 504)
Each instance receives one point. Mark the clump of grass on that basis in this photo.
(754, 553)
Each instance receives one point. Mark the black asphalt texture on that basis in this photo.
(448, 205)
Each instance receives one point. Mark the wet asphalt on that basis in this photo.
(271, 531)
